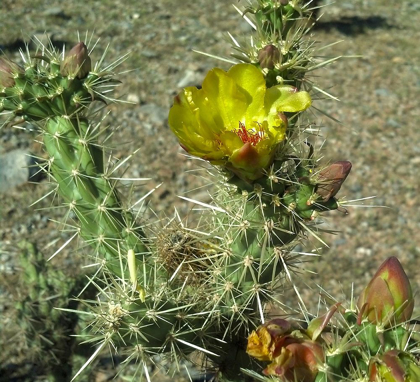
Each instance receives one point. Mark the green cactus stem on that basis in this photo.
(55, 91)
(77, 166)
(48, 331)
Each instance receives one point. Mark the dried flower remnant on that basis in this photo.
(293, 355)
(394, 366)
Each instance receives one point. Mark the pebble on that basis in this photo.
(382, 92)
(392, 123)
(133, 98)
(53, 11)
(155, 113)
(16, 169)
(190, 78)
(44, 38)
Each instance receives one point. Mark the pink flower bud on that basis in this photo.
(269, 56)
(331, 178)
(77, 62)
(388, 298)
(8, 70)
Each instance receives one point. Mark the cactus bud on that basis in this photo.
(388, 296)
(268, 57)
(77, 62)
(8, 71)
(389, 368)
(331, 178)
(394, 366)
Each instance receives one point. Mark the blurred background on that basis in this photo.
(379, 113)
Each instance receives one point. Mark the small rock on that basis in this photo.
(339, 242)
(149, 53)
(191, 78)
(382, 92)
(16, 168)
(362, 252)
(155, 113)
(392, 123)
(356, 187)
(133, 98)
(53, 11)
(57, 12)
(415, 160)
(44, 38)
(348, 5)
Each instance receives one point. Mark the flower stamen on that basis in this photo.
(249, 136)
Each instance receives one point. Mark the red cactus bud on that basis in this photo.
(331, 178)
(8, 70)
(269, 56)
(394, 366)
(77, 62)
(388, 298)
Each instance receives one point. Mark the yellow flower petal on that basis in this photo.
(228, 98)
(252, 81)
(277, 129)
(208, 115)
(230, 142)
(286, 98)
(184, 114)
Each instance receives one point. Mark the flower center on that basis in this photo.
(251, 136)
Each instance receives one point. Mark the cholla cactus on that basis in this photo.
(41, 311)
(55, 91)
(204, 287)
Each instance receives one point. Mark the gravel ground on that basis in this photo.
(378, 113)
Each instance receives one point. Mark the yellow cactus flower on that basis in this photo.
(234, 120)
